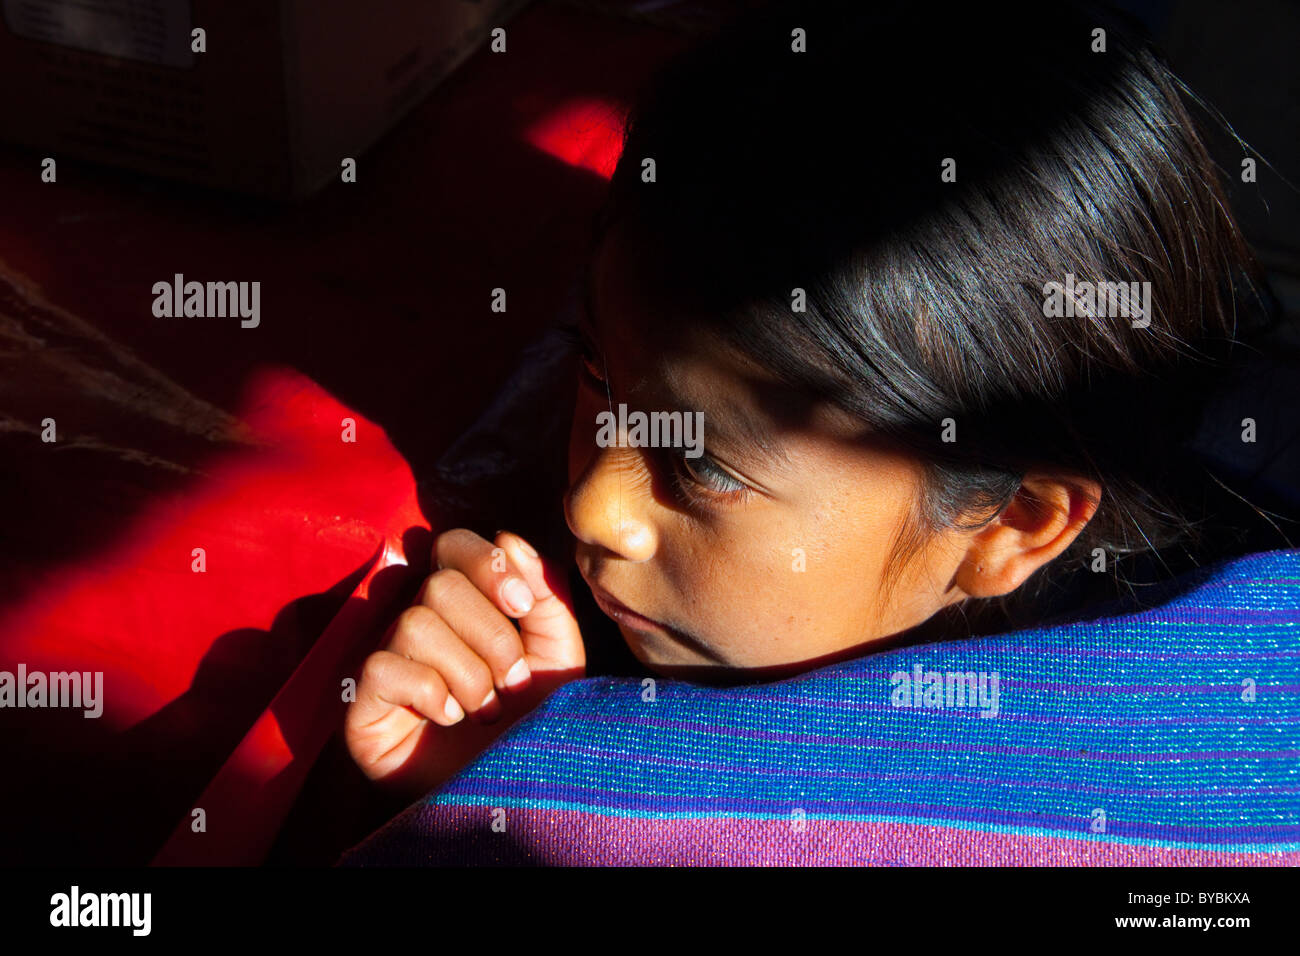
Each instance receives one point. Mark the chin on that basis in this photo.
(661, 655)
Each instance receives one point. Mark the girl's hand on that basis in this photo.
(454, 652)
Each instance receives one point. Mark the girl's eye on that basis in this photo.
(707, 477)
(591, 370)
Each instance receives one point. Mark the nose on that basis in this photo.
(608, 505)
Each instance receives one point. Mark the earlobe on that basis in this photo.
(1044, 518)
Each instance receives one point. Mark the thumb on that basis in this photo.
(549, 631)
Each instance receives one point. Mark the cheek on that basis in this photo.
(812, 586)
(769, 593)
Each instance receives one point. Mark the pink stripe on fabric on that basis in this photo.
(573, 837)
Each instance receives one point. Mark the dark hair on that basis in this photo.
(821, 170)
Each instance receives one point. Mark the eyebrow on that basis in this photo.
(736, 432)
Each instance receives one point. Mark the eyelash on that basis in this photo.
(588, 369)
(695, 490)
(685, 474)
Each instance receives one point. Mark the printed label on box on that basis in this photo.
(153, 31)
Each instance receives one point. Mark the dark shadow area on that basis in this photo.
(379, 291)
(115, 796)
(465, 846)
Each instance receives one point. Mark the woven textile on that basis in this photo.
(1166, 736)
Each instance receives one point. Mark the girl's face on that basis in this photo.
(768, 551)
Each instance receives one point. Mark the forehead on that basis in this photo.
(678, 358)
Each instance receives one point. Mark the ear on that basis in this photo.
(1042, 520)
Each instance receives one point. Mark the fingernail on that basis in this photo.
(519, 674)
(490, 709)
(528, 549)
(518, 595)
(453, 710)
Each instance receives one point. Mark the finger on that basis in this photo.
(487, 566)
(549, 631)
(391, 680)
(479, 623)
(424, 637)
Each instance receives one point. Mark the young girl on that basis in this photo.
(887, 252)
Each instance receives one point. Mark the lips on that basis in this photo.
(622, 613)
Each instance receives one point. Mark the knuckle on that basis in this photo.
(414, 620)
(412, 624)
(504, 644)
(442, 587)
(477, 677)
(432, 692)
(450, 541)
(375, 668)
